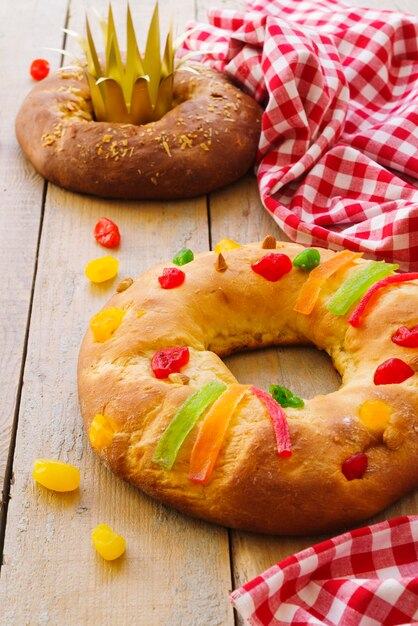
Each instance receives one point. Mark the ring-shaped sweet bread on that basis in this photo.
(207, 140)
(177, 424)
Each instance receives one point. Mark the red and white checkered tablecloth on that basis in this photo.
(338, 154)
(367, 577)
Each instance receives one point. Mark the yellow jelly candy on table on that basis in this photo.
(375, 414)
(106, 322)
(101, 431)
(108, 544)
(100, 270)
(226, 244)
(56, 475)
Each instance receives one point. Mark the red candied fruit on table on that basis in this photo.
(355, 466)
(392, 371)
(406, 337)
(106, 233)
(171, 277)
(169, 361)
(272, 266)
(39, 69)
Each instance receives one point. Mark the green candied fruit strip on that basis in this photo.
(307, 260)
(285, 397)
(183, 256)
(357, 284)
(183, 422)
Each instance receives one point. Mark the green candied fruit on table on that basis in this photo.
(307, 260)
(183, 256)
(285, 397)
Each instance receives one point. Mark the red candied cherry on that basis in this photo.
(355, 466)
(406, 337)
(169, 361)
(39, 69)
(107, 233)
(272, 266)
(171, 277)
(392, 371)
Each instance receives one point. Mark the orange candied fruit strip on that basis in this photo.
(106, 322)
(309, 293)
(102, 430)
(212, 433)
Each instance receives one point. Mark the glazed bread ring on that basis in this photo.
(164, 412)
(209, 138)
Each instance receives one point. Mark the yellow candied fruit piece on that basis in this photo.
(375, 414)
(106, 322)
(102, 430)
(102, 269)
(56, 475)
(226, 244)
(108, 544)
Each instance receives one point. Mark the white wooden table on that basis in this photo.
(177, 571)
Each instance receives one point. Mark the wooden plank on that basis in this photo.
(176, 570)
(23, 33)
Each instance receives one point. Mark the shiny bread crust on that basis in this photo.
(215, 313)
(208, 140)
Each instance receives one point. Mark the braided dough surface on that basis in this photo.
(215, 313)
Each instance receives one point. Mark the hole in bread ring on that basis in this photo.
(209, 139)
(216, 313)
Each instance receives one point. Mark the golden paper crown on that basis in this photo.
(132, 89)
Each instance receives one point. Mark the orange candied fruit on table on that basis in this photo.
(108, 544)
(225, 245)
(106, 322)
(102, 269)
(375, 414)
(102, 430)
(56, 475)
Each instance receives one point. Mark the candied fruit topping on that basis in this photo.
(355, 466)
(272, 266)
(183, 422)
(356, 285)
(183, 256)
(317, 278)
(392, 371)
(307, 260)
(212, 432)
(102, 430)
(171, 278)
(279, 422)
(56, 475)
(102, 269)
(109, 545)
(285, 397)
(169, 361)
(375, 414)
(406, 337)
(104, 324)
(225, 245)
(356, 318)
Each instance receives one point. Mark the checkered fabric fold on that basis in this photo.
(367, 577)
(338, 153)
